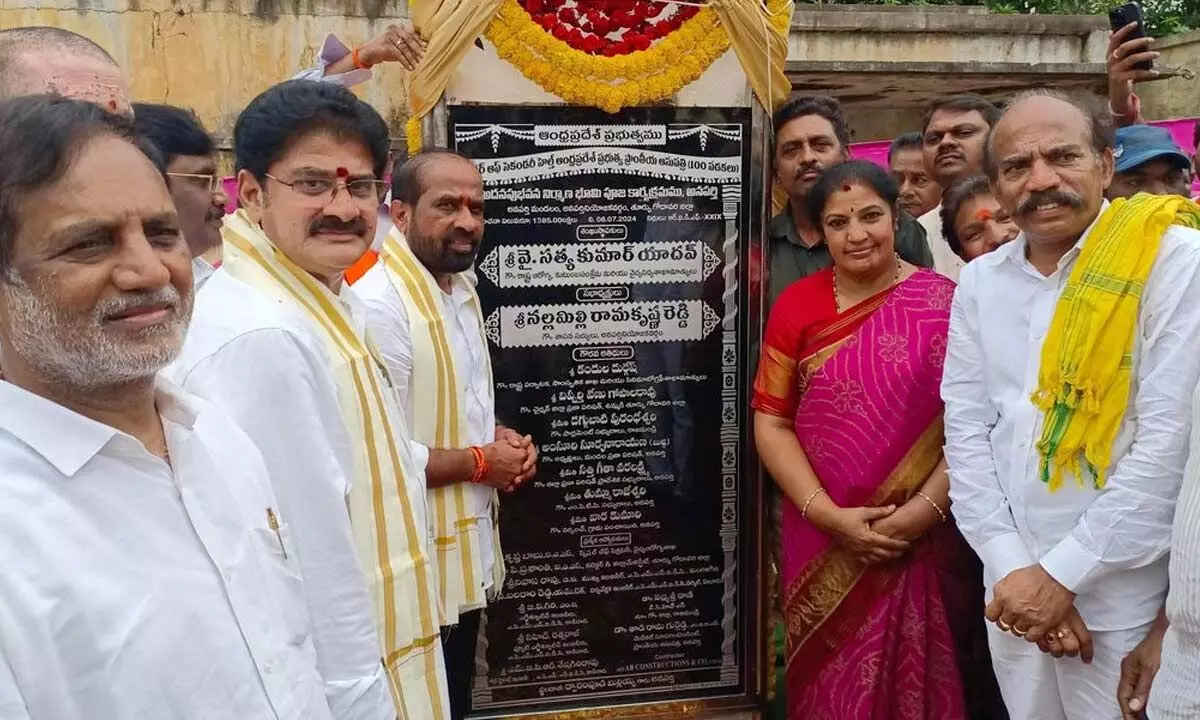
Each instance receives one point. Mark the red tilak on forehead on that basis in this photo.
(343, 172)
(846, 188)
(464, 199)
(984, 215)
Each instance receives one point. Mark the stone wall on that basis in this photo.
(214, 56)
(884, 63)
(1175, 97)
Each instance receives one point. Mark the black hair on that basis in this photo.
(288, 111)
(173, 130)
(819, 105)
(907, 141)
(952, 202)
(964, 103)
(1196, 135)
(18, 41)
(854, 172)
(406, 179)
(40, 137)
(1095, 111)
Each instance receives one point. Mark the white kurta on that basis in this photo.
(1109, 546)
(260, 361)
(388, 320)
(1175, 694)
(136, 589)
(945, 261)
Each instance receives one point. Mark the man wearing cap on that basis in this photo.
(1149, 161)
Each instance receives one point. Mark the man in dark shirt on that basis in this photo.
(810, 137)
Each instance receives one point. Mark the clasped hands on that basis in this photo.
(1033, 606)
(512, 460)
(877, 534)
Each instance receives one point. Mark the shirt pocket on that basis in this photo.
(287, 584)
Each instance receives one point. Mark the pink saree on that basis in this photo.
(871, 642)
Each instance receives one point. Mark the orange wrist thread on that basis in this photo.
(358, 63)
(481, 465)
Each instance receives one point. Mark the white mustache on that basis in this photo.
(167, 295)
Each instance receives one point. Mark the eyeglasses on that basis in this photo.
(326, 190)
(211, 182)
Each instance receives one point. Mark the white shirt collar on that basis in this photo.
(201, 272)
(68, 440)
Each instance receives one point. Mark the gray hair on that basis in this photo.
(1094, 110)
(16, 43)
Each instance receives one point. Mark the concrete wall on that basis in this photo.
(886, 63)
(214, 56)
(1175, 97)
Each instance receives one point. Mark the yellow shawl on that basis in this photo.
(387, 507)
(1087, 359)
(437, 387)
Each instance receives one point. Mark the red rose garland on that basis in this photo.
(608, 27)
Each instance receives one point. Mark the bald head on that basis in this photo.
(39, 60)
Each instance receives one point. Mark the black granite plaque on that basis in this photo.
(611, 279)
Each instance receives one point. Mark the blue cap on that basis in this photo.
(1139, 144)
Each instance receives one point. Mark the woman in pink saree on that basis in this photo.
(881, 601)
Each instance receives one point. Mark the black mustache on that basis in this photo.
(808, 168)
(357, 226)
(459, 236)
(1062, 197)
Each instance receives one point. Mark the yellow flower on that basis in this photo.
(608, 83)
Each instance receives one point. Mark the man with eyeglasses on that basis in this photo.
(280, 342)
(191, 177)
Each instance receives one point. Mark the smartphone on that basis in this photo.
(1121, 16)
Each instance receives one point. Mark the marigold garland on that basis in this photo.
(609, 83)
(412, 135)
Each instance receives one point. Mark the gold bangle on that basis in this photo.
(815, 493)
(932, 504)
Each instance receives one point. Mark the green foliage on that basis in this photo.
(1163, 17)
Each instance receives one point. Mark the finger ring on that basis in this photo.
(1063, 632)
(1019, 632)
(1004, 626)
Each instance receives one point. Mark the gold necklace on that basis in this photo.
(837, 296)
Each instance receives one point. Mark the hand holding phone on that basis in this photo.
(1129, 39)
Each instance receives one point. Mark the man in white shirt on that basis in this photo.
(1174, 695)
(1082, 568)
(956, 128)
(425, 319)
(280, 342)
(146, 566)
(192, 177)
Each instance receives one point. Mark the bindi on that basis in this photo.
(983, 215)
(845, 188)
(343, 173)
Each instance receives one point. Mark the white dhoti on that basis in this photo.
(1037, 686)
